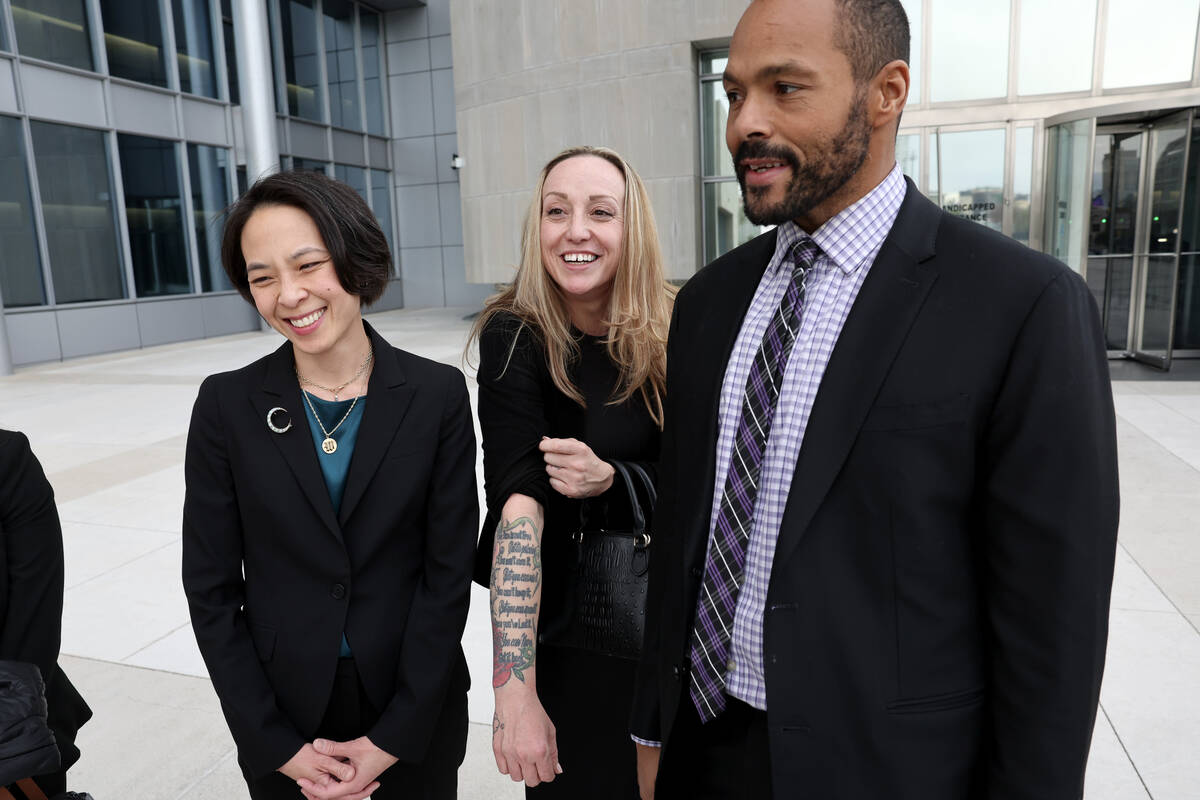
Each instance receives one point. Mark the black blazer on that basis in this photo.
(392, 570)
(31, 585)
(937, 613)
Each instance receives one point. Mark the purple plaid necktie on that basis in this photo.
(724, 568)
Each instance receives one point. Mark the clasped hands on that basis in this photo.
(574, 469)
(328, 770)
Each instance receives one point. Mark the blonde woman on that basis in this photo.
(572, 362)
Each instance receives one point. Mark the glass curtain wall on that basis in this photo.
(154, 212)
(1149, 42)
(381, 204)
(75, 184)
(1187, 299)
(1056, 43)
(301, 60)
(20, 268)
(340, 64)
(355, 178)
(54, 30)
(969, 50)
(208, 169)
(133, 39)
(194, 47)
(235, 95)
(372, 55)
(1067, 203)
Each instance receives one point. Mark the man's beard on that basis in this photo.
(829, 166)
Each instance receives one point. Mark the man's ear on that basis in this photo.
(888, 94)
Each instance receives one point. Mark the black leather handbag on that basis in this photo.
(606, 592)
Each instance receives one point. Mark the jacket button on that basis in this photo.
(338, 591)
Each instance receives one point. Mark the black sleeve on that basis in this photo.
(216, 594)
(33, 558)
(1049, 545)
(512, 421)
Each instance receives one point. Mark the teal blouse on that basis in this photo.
(336, 465)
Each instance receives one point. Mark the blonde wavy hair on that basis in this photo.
(639, 309)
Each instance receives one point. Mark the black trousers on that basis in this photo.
(350, 715)
(725, 759)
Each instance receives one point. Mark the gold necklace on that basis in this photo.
(329, 444)
(335, 391)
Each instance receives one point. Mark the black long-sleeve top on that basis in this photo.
(518, 405)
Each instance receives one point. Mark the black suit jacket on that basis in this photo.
(392, 570)
(937, 612)
(31, 585)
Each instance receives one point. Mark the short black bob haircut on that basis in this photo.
(352, 236)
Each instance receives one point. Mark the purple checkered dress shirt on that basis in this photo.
(849, 243)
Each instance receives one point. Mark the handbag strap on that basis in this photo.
(651, 492)
(639, 519)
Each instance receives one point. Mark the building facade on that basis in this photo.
(123, 137)
(1066, 124)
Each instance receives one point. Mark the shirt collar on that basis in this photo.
(854, 235)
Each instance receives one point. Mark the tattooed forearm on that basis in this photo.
(516, 593)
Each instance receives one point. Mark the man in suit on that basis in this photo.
(888, 508)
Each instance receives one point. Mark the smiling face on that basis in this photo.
(295, 286)
(582, 226)
(798, 125)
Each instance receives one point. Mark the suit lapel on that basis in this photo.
(711, 345)
(281, 389)
(388, 397)
(887, 305)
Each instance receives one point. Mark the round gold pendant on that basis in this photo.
(329, 445)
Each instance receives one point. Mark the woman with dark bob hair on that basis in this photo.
(330, 517)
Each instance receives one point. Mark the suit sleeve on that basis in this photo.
(212, 580)
(33, 559)
(430, 649)
(1050, 525)
(645, 718)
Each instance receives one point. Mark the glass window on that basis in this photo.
(54, 30)
(1168, 146)
(3, 35)
(133, 38)
(20, 269)
(714, 111)
(1067, 200)
(154, 210)
(235, 95)
(194, 47)
(971, 175)
(1133, 25)
(913, 9)
(339, 64)
(713, 62)
(208, 168)
(75, 183)
(311, 164)
(969, 55)
(726, 225)
(368, 23)
(381, 204)
(1022, 188)
(1055, 46)
(243, 180)
(301, 67)
(908, 155)
(355, 178)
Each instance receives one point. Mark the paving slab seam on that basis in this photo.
(151, 644)
(1125, 749)
(138, 557)
(220, 762)
(1161, 591)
